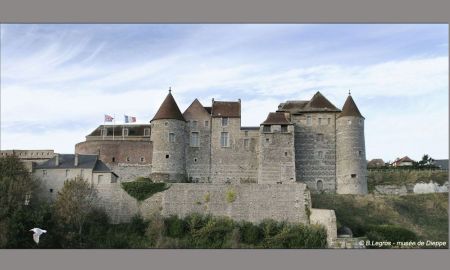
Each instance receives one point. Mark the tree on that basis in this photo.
(426, 161)
(75, 201)
(16, 185)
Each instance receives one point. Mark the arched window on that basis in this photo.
(319, 185)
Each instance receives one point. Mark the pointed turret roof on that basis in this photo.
(169, 109)
(350, 108)
(319, 102)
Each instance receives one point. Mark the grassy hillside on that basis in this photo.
(404, 177)
(424, 214)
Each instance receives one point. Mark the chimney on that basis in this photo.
(57, 160)
(76, 160)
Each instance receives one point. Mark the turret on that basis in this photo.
(351, 167)
(169, 141)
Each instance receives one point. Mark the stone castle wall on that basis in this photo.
(277, 156)
(121, 151)
(351, 164)
(252, 202)
(234, 163)
(315, 150)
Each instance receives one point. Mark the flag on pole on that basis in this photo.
(108, 118)
(130, 119)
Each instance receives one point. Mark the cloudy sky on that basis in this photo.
(57, 81)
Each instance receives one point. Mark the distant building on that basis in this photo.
(29, 157)
(60, 168)
(441, 164)
(375, 163)
(404, 161)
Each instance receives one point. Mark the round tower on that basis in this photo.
(351, 167)
(168, 134)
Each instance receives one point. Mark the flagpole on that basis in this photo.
(114, 123)
(103, 129)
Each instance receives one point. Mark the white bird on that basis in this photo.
(37, 233)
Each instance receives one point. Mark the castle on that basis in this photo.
(307, 141)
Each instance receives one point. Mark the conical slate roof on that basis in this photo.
(169, 110)
(350, 108)
(319, 102)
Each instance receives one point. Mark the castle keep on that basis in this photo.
(303, 141)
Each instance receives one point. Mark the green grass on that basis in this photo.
(424, 214)
(143, 188)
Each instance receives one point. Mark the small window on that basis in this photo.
(246, 133)
(285, 154)
(224, 140)
(67, 173)
(224, 121)
(329, 121)
(320, 154)
(146, 132)
(194, 139)
(142, 159)
(100, 179)
(167, 156)
(44, 172)
(194, 124)
(125, 132)
(171, 137)
(284, 128)
(320, 121)
(113, 159)
(319, 185)
(349, 122)
(128, 159)
(246, 143)
(353, 175)
(308, 120)
(166, 124)
(195, 160)
(206, 123)
(360, 121)
(267, 140)
(359, 153)
(51, 190)
(266, 128)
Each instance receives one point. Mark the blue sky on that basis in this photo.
(57, 81)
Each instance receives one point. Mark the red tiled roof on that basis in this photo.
(350, 108)
(226, 109)
(275, 118)
(169, 110)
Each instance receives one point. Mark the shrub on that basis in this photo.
(390, 233)
(175, 227)
(231, 195)
(214, 234)
(143, 188)
(250, 233)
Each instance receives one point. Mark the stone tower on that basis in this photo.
(351, 167)
(168, 134)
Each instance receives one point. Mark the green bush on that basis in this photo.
(250, 233)
(143, 188)
(390, 233)
(175, 227)
(231, 195)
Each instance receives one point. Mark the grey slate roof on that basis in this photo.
(441, 163)
(67, 161)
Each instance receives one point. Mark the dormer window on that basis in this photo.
(284, 128)
(194, 124)
(224, 121)
(266, 128)
(146, 132)
(125, 132)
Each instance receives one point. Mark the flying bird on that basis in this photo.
(37, 233)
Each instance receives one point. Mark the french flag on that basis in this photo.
(130, 119)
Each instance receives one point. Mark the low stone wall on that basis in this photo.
(251, 202)
(326, 218)
(418, 188)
